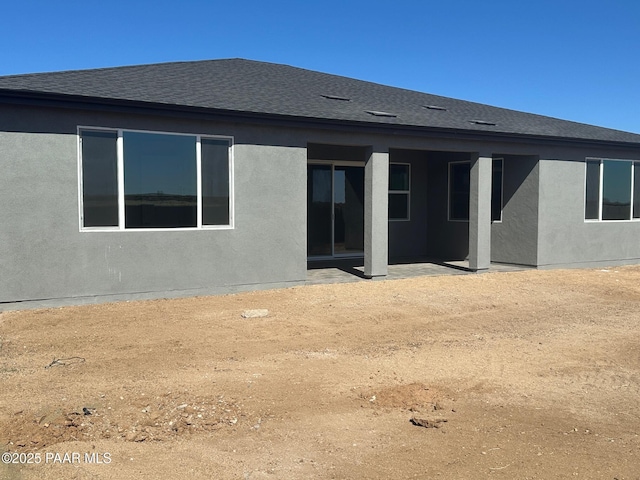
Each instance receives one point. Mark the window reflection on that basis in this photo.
(215, 181)
(616, 190)
(348, 210)
(160, 180)
(398, 177)
(160, 173)
(319, 205)
(592, 200)
(99, 179)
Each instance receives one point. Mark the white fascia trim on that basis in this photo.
(120, 149)
(80, 185)
(232, 196)
(198, 182)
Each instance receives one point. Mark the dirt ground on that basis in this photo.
(516, 375)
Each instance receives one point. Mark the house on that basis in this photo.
(202, 177)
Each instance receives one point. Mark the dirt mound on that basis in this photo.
(412, 396)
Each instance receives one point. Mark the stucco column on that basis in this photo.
(376, 213)
(480, 212)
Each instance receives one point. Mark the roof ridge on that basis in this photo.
(121, 67)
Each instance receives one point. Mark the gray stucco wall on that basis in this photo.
(44, 255)
(515, 238)
(564, 237)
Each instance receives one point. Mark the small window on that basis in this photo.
(399, 191)
(156, 180)
(459, 190)
(496, 189)
(215, 182)
(99, 178)
(592, 191)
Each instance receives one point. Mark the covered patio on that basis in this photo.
(376, 212)
(352, 270)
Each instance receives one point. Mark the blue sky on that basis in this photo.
(573, 59)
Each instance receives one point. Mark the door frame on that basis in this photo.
(333, 164)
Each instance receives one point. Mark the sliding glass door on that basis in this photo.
(335, 210)
(348, 210)
(319, 210)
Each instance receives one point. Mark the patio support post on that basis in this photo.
(480, 212)
(376, 213)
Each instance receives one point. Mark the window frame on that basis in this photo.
(402, 192)
(120, 179)
(600, 160)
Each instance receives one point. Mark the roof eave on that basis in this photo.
(38, 98)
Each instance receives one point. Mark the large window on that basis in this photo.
(399, 191)
(459, 190)
(612, 190)
(142, 180)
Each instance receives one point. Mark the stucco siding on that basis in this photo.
(44, 255)
(514, 239)
(565, 238)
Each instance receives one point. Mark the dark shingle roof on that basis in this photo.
(266, 88)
